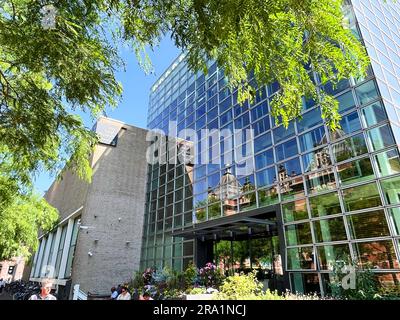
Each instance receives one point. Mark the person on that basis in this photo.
(2, 285)
(146, 296)
(125, 295)
(114, 293)
(45, 290)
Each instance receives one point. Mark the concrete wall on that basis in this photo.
(67, 194)
(113, 211)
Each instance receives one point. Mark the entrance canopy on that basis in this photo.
(258, 223)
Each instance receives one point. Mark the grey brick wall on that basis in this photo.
(113, 209)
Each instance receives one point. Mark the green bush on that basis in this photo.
(198, 290)
(244, 287)
(190, 276)
(366, 285)
(137, 281)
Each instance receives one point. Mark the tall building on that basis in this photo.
(97, 241)
(316, 196)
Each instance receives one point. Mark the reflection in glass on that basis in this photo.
(356, 171)
(290, 189)
(391, 190)
(317, 159)
(349, 123)
(309, 120)
(368, 225)
(248, 201)
(361, 197)
(298, 234)
(320, 181)
(351, 147)
(388, 280)
(313, 139)
(264, 159)
(294, 211)
(286, 150)
(395, 219)
(381, 137)
(291, 168)
(281, 133)
(329, 255)
(300, 258)
(266, 177)
(346, 102)
(305, 283)
(388, 162)
(328, 230)
(334, 88)
(367, 92)
(262, 142)
(374, 114)
(267, 197)
(325, 204)
(376, 254)
(261, 126)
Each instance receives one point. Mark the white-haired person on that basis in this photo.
(45, 290)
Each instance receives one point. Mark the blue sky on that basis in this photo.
(136, 84)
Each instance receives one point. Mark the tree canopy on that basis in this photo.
(48, 71)
(20, 221)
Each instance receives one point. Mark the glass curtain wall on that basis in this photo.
(329, 185)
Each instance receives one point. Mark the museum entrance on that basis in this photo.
(244, 242)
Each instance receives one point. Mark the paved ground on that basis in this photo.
(5, 296)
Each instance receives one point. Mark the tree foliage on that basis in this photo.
(20, 221)
(274, 40)
(47, 74)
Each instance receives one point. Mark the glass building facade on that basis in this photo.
(334, 194)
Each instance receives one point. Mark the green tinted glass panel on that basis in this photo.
(355, 171)
(325, 204)
(329, 255)
(300, 258)
(350, 148)
(328, 230)
(391, 190)
(388, 162)
(298, 234)
(248, 201)
(320, 181)
(267, 197)
(368, 225)
(361, 197)
(214, 210)
(294, 211)
(395, 218)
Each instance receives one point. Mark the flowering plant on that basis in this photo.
(210, 276)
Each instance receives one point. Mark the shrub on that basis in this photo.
(137, 281)
(198, 290)
(210, 276)
(298, 296)
(366, 286)
(190, 276)
(244, 287)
